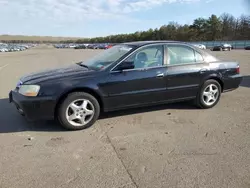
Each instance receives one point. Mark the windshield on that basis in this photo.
(107, 57)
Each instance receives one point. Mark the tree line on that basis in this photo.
(215, 28)
(225, 27)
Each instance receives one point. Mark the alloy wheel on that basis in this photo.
(210, 94)
(80, 112)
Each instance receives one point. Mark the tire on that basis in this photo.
(200, 99)
(75, 98)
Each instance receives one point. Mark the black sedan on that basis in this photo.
(247, 48)
(222, 47)
(127, 75)
(80, 47)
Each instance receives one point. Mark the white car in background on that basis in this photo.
(227, 46)
(72, 46)
(3, 50)
(201, 46)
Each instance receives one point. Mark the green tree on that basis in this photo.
(199, 28)
(228, 26)
(214, 26)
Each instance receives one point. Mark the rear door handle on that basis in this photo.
(160, 75)
(203, 71)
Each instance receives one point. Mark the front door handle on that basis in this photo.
(203, 71)
(160, 75)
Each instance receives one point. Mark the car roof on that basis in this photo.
(142, 43)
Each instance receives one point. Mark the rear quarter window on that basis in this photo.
(198, 57)
(209, 58)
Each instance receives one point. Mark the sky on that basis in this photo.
(93, 18)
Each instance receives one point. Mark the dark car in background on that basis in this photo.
(247, 48)
(92, 46)
(85, 46)
(128, 75)
(80, 47)
(222, 47)
(102, 46)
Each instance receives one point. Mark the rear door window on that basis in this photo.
(180, 54)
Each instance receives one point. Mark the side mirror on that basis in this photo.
(126, 65)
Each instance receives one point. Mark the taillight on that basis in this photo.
(238, 70)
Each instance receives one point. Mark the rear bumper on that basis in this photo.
(33, 108)
(232, 82)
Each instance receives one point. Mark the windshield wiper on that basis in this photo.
(83, 65)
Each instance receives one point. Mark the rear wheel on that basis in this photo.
(209, 94)
(78, 111)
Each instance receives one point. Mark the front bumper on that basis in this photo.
(33, 108)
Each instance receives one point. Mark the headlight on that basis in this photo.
(29, 90)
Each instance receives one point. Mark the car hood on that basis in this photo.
(51, 74)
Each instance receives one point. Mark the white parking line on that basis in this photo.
(2, 67)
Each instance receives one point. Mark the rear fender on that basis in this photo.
(214, 76)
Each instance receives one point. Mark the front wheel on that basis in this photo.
(209, 94)
(78, 111)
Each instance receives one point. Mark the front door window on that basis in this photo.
(150, 56)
